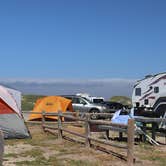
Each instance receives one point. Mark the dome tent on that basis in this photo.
(11, 119)
(51, 104)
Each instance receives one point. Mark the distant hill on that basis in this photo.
(28, 101)
(121, 99)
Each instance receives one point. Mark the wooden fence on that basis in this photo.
(87, 136)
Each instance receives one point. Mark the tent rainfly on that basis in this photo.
(51, 104)
(11, 119)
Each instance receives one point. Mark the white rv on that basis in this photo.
(150, 92)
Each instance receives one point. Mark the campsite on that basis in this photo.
(54, 134)
(82, 83)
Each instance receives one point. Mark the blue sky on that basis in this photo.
(82, 39)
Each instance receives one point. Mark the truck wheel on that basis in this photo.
(94, 115)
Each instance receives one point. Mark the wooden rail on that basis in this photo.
(149, 120)
(65, 113)
(87, 136)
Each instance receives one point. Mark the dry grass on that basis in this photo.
(45, 149)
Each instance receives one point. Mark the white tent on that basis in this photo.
(11, 119)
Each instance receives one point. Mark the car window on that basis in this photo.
(75, 100)
(78, 101)
(87, 100)
(81, 101)
(98, 100)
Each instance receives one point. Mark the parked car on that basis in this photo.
(85, 106)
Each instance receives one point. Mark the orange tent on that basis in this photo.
(51, 104)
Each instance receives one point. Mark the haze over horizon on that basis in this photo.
(96, 87)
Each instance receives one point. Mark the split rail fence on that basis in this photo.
(87, 135)
(102, 125)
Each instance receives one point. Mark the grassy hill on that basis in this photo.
(28, 101)
(121, 99)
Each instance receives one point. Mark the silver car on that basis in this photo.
(83, 106)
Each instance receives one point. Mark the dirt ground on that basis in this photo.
(45, 149)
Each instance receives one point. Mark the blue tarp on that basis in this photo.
(122, 119)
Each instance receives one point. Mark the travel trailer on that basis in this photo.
(150, 94)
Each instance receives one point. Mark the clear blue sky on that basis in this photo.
(82, 38)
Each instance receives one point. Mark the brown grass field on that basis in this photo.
(45, 149)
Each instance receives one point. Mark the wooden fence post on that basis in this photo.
(87, 130)
(130, 142)
(144, 130)
(1, 147)
(43, 120)
(59, 125)
(77, 114)
(120, 136)
(154, 126)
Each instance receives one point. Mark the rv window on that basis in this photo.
(146, 101)
(156, 89)
(138, 92)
